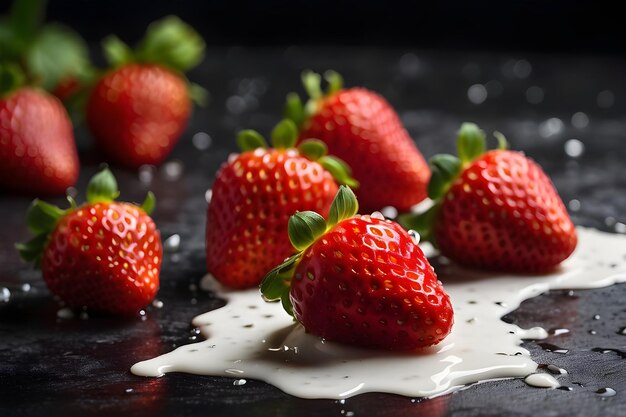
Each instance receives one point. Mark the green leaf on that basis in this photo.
(286, 302)
(11, 77)
(312, 84)
(344, 206)
(42, 217)
(444, 169)
(116, 52)
(294, 109)
(503, 144)
(32, 250)
(304, 228)
(57, 53)
(102, 187)
(422, 223)
(284, 134)
(25, 19)
(249, 140)
(279, 278)
(313, 149)
(335, 82)
(149, 203)
(173, 43)
(198, 94)
(340, 171)
(470, 142)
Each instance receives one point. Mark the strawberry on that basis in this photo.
(104, 255)
(255, 193)
(360, 280)
(361, 127)
(37, 149)
(138, 111)
(494, 210)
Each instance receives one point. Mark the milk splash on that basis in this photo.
(249, 338)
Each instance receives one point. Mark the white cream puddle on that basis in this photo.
(251, 339)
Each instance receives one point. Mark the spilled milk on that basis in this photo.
(251, 339)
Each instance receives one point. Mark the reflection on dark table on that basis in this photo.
(566, 112)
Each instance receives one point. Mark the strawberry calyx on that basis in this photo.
(169, 42)
(284, 136)
(445, 169)
(304, 229)
(296, 110)
(42, 218)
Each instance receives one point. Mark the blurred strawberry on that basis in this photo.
(37, 150)
(360, 127)
(138, 111)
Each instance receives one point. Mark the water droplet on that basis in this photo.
(534, 94)
(605, 99)
(574, 205)
(574, 148)
(128, 390)
(620, 227)
(606, 392)
(172, 243)
(239, 382)
(65, 313)
(5, 295)
(622, 331)
(142, 313)
(580, 120)
(415, 236)
(592, 332)
(596, 317)
(172, 170)
(522, 69)
(494, 88)
(389, 212)
(201, 140)
(26, 287)
(556, 370)
(146, 173)
(551, 127)
(157, 304)
(208, 195)
(477, 93)
(549, 347)
(409, 65)
(236, 104)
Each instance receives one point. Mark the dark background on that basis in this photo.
(530, 25)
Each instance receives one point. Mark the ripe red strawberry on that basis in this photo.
(360, 280)
(138, 111)
(361, 127)
(253, 196)
(495, 210)
(104, 255)
(37, 149)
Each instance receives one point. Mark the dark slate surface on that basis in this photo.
(53, 366)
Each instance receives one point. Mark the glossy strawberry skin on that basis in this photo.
(105, 256)
(365, 282)
(137, 113)
(362, 128)
(247, 218)
(503, 213)
(37, 149)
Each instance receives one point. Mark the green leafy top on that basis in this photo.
(304, 229)
(445, 168)
(35, 54)
(42, 217)
(169, 42)
(298, 112)
(284, 136)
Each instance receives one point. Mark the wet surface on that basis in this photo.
(566, 112)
